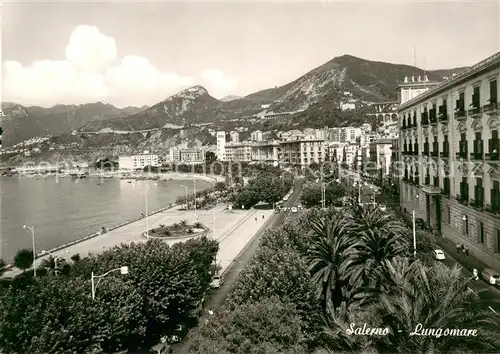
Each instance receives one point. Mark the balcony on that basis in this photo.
(443, 114)
(435, 153)
(491, 108)
(460, 114)
(445, 154)
(475, 112)
(493, 209)
(477, 203)
(425, 153)
(492, 157)
(445, 191)
(461, 155)
(433, 190)
(462, 199)
(427, 181)
(476, 156)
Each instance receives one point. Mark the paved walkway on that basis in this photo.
(231, 230)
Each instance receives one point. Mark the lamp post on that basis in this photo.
(213, 217)
(146, 189)
(186, 189)
(194, 194)
(32, 229)
(358, 184)
(414, 235)
(123, 271)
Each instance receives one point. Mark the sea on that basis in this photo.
(66, 209)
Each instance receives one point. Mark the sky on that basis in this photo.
(137, 53)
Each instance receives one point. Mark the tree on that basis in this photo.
(380, 237)
(334, 192)
(311, 194)
(327, 256)
(435, 297)
(247, 198)
(53, 265)
(268, 188)
(266, 326)
(23, 259)
(210, 157)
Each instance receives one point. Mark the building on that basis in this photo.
(239, 152)
(221, 145)
(265, 152)
(138, 161)
(186, 155)
(349, 134)
(234, 137)
(256, 135)
(302, 152)
(450, 171)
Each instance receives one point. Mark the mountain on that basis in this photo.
(21, 123)
(229, 98)
(315, 98)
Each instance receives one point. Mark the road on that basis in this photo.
(218, 297)
(226, 221)
(490, 294)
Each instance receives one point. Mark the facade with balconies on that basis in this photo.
(450, 147)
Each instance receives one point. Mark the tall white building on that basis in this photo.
(234, 136)
(257, 135)
(221, 145)
(138, 161)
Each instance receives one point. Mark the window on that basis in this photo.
(497, 243)
(466, 225)
(493, 91)
(475, 97)
(480, 232)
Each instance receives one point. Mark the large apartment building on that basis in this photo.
(138, 161)
(450, 164)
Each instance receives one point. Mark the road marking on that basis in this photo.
(491, 308)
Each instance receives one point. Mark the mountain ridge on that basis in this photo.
(322, 89)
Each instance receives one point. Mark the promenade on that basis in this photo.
(233, 229)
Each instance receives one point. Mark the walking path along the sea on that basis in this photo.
(233, 229)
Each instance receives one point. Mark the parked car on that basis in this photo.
(217, 282)
(490, 276)
(439, 255)
(294, 209)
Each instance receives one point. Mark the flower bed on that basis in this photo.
(178, 230)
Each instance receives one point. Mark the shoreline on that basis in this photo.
(163, 177)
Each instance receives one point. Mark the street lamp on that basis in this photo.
(32, 229)
(186, 188)
(194, 191)
(358, 184)
(123, 271)
(414, 230)
(146, 189)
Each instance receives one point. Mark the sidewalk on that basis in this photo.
(469, 262)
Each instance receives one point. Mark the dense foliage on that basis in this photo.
(335, 269)
(56, 314)
(311, 195)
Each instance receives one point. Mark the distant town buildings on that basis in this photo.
(256, 136)
(136, 162)
(221, 145)
(234, 136)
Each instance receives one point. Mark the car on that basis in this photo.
(439, 255)
(490, 276)
(286, 208)
(285, 198)
(300, 206)
(217, 282)
(294, 209)
(276, 211)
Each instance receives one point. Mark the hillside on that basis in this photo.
(21, 123)
(317, 95)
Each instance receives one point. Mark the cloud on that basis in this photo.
(91, 71)
(218, 84)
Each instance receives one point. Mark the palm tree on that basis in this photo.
(53, 265)
(435, 297)
(326, 256)
(183, 223)
(379, 237)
